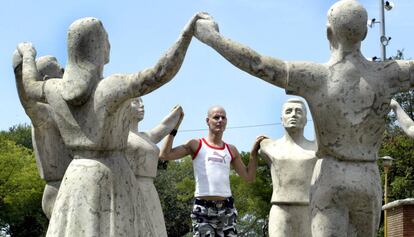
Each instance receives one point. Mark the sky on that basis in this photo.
(141, 31)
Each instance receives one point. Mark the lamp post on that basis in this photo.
(386, 163)
(384, 40)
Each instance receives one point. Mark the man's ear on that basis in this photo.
(207, 120)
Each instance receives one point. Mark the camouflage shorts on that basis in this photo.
(212, 220)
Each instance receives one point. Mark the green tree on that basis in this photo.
(175, 186)
(252, 200)
(20, 190)
(21, 134)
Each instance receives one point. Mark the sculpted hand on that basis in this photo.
(394, 104)
(189, 28)
(205, 28)
(17, 59)
(26, 49)
(178, 109)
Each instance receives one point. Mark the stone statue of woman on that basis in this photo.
(96, 197)
(52, 156)
(142, 154)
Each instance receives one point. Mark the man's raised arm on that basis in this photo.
(266, 68)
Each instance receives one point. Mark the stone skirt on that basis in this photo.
(97, 198)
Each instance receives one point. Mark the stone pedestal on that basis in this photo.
(400, 217)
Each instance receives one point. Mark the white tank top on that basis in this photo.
(212, 170)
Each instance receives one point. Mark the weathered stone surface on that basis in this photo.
(52, 157)
(98, 193)
(142, 154)
(348, 97)
(291, 160)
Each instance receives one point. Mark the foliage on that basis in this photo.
(175, 186)
(252, 200)
(20, 190)
(401, 175)
(21, 134)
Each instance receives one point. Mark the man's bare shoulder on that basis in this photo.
(192, 145)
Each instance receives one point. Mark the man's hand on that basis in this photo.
(26, 49)
(205, 28)
(256, 145)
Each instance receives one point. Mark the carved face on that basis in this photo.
(216, 119)
(293, 115)
(137, 108)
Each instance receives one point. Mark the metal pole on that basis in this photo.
(385, 201)
(382, 22)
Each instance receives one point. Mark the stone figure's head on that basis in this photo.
(49, 67)
(88, 52)
(216, 119)
(294, 114)
(88, 42)
(347, 23)
(137, 109)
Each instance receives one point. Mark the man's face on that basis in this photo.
(217, 120)
(293, 115)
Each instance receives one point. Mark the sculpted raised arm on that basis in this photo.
(406, 123)
(32, 83)
(18, 74)
(137, 84)
(170, 122)
(266, 68)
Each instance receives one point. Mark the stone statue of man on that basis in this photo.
(348, 97)
(291, 160)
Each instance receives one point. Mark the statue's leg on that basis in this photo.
(329, 213)
(365, 211)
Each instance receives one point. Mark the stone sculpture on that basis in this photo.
(142, 154)
(291, 160)
(97, 195)
(348, 97)
(52, 157)
(406, 123)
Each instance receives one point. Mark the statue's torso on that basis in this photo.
(88, 126)
(142, 154)
(291, 167)
(349, 101)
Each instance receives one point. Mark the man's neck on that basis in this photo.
(215, 139)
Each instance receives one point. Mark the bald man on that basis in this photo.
(213, 213)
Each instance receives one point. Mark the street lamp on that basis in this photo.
(386, 163)
(384, 40)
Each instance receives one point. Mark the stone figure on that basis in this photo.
(52, 157)
(97, 194)
(406, 123)
(291, 160)
(348, 97)
(142, 154)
